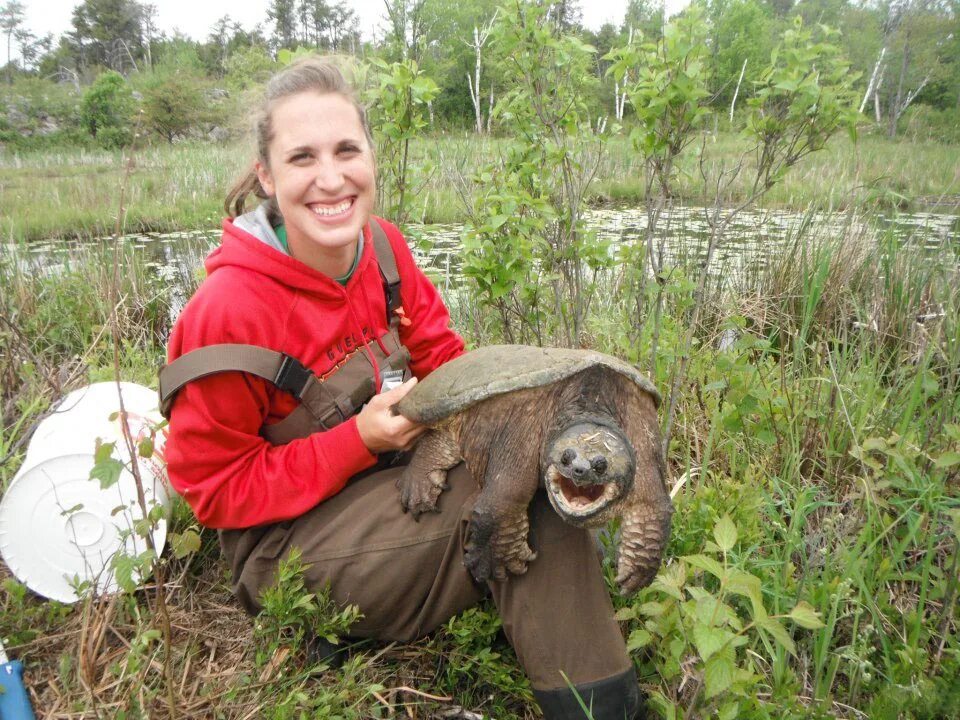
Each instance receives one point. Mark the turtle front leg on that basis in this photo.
(425, 477)
(499, 528)
(643, 538)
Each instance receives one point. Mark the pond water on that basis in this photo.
(750, 240)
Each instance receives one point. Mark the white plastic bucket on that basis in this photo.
(57, 526)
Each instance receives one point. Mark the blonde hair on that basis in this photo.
(312, 74)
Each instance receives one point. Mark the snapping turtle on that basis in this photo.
(578, 423)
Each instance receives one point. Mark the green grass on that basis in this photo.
(181, 187)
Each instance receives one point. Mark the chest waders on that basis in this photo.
(407, 577)
(324, 401)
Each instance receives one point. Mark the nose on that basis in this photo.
(580, 468)
(328, 175)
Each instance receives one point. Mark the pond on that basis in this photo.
(749, 242)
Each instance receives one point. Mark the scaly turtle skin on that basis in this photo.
(581, 424)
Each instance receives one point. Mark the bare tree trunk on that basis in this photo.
(737, 91)
(876, 100)
(480, 38)
(874, 80)
(895, 110)
(490, 110)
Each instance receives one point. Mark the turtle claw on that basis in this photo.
(419, 492)
(492, 549)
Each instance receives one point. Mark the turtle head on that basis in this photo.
(588, 468)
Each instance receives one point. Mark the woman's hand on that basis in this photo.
(380, 429)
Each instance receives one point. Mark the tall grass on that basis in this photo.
(181, 187)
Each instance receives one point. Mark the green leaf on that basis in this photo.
(103, 452)
(719, 674)
(743, 583)
(806, 616)
(728, 711)
(706, 563)
(725, 533)
(185, 543)
(955, 517)
(123, 567)
(638, 638)
(948, 459)
(778, 632)
(709, 639)
(107, 472)
(145, 447)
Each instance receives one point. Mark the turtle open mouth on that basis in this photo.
(580, 495)
(578, 502)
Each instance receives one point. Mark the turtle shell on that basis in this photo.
(499, 369)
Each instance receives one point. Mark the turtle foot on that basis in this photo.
(419, 492)
(494, 549)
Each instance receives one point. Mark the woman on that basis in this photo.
(281, 433)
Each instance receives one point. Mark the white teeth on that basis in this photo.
(335, 210)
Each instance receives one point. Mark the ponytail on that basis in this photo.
(248, 184)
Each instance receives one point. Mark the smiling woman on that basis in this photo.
(285, 367)
(320, 171)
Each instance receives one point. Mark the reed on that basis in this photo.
(63, 194)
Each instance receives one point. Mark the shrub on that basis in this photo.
(106, 110)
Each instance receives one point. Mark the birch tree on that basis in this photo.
(480, 38)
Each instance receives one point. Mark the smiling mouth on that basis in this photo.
(329, 211)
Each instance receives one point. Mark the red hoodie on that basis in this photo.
(216, 459)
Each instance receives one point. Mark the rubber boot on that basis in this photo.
(613, 698)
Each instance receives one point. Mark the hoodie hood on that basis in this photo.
(250, 242)
(258, 224)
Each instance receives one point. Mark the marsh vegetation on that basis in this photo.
(811, 411)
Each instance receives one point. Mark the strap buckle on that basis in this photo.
(392, 293)
(293, 376)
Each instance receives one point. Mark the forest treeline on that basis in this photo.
(114, 73)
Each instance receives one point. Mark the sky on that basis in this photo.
(194, 18)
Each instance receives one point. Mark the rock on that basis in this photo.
(218, 134)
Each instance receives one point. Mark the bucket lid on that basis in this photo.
(91, 412)
(58, 527)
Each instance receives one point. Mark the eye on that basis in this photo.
(349, 149)
(568, 456)
(599, 465)
(301, 158)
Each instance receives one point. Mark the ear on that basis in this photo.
(266, 180)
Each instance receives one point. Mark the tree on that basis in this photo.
(645, 17)
(11, 18)
(108, 33)
(173, 105)
(106, 110)
(742, 33)
(915, 37)
(408, 26)
(282, 13)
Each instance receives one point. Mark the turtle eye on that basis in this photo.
(599, 465)
(568, 456)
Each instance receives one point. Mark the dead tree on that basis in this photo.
(480, 38)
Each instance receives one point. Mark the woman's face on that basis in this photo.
(321, 171)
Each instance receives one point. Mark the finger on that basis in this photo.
(398, 425)
(396, 394)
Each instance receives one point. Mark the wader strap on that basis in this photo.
(388, 271)
(285, 372)
(301, 422)
(329, 403)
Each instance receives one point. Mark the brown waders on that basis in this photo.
(408, 577)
